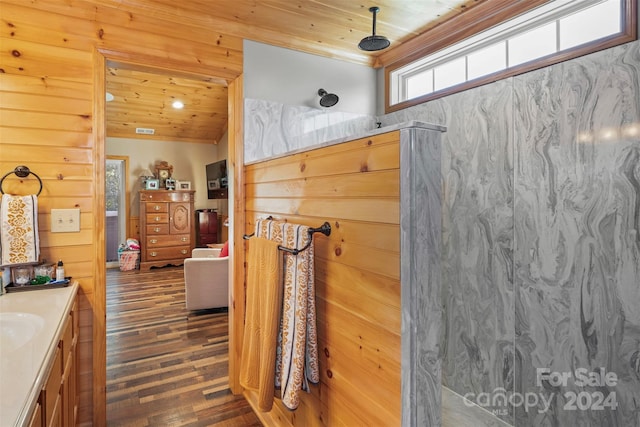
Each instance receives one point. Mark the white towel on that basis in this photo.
(19, 241)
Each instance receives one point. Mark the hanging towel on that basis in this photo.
(264, 299)
(297, 347)
(19, 241)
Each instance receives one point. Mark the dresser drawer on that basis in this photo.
(157, 218)
(154, 207)
(166, 196)
(168, 240)
(157, 254)
(157, 229)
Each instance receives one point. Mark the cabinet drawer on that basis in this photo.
(168, 253)
(166, 196)
(158, 218)
(158, 229)
(155, 207)
(168, 240)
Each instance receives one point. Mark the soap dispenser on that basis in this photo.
(60, 271)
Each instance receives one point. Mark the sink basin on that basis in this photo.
(17, 329)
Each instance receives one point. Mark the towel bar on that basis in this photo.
(21, 172)
(324, 229)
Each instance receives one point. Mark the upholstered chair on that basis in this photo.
(206, 279)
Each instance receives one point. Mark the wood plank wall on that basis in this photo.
(354, 186)
(47, 122)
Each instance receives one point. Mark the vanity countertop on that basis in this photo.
(24, 365)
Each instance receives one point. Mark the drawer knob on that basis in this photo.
(156, 207)
(157, 229)
(184, 239)
(184, 252)
(154, 254)
(154, 241)
(157, 218)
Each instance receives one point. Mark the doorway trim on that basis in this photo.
(235, 104)
(127, 192)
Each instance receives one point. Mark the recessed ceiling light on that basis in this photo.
(109, 97)
(177, 105)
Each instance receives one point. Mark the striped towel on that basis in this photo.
(297, 347)
(19, 241)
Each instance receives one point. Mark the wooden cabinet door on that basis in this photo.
(179, 218)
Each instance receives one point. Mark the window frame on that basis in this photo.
(469, 27)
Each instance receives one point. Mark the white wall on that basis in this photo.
(188, 161)
(293, 78)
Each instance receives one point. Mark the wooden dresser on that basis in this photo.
(167, 233)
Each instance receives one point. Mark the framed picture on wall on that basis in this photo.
(183, 185)
(213, 184)
(152, 184)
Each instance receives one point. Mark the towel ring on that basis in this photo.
(21, 172)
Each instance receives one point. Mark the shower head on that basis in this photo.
(374, 42)
(327, 99)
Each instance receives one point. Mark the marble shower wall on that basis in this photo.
(541, 251)
(477, 241)
(577, 217)
(273, 129)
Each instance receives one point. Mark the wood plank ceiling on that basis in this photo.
(330, 28)
(145, 100)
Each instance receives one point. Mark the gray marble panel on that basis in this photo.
(420, 276)
(577, 255)
(477, 239)
(477, 253)
(272, 129)
(572, 238)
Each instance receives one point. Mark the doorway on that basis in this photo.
(235, 104)
(116, 206)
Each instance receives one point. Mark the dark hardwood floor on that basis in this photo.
(166, 366)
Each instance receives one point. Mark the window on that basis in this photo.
(557, 31)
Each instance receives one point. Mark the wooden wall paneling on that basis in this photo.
(363, 155)
(134, 227)
(384, 183)
(354, 186)
(50, 120)
(40, 120)
(36, 138)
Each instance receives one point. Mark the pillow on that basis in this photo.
(225, 250)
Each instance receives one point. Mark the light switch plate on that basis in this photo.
(65, 220)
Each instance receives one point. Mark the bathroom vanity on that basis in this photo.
(38, 357)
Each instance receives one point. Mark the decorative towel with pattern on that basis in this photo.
(297, 349)
(19, 241)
